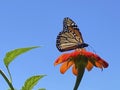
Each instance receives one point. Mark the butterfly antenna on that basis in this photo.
(90, 47)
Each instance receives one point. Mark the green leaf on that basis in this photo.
(31, 82)
(10, 56)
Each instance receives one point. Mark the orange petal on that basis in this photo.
(101, 61)
(65, 66)
(74, 70)
(86, 53)
(89, 66)
(98, 65)
(75, 53)
(61, 59)
(104, 63)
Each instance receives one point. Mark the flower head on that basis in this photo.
(78, 57)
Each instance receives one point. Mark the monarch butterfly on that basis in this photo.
(70, 37)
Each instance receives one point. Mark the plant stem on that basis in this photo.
(79, 77)
(7, 80)
(9, 74)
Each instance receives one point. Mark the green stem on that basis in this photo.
(7, 80)
(9, 74)
(81, 71)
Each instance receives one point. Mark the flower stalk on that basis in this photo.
(7, 80)
(79, 77)
(80, 62)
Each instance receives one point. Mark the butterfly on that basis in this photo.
(70, 37)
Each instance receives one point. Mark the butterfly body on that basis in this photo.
(70, 37)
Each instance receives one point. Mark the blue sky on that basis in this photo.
(26, 23)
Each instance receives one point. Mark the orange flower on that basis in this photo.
(88, 59)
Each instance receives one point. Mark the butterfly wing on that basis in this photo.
(70, 38)
(70, 25)
(66, 41)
